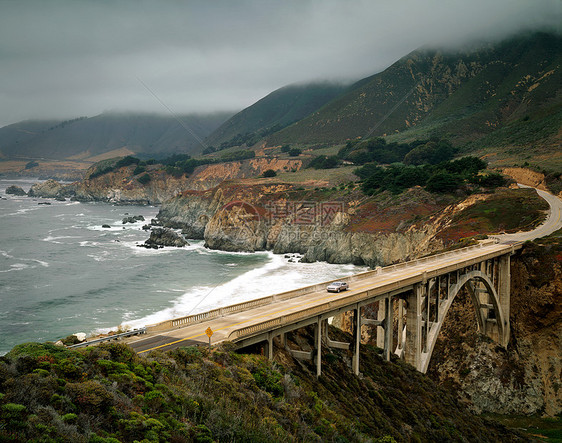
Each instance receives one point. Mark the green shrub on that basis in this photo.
(144, 179)
(90, 395)
(69, 418)
(269, 173)
(324, 162)
(294, 152)
(127, 161)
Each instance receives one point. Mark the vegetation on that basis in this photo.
(107, 393)
(175, 165)
(269, 173)
(31, 164)
(324, 162)
(444, 177)
(294, 152)
(465, 96)
(272, 113)
(144, 179)
(377, 150)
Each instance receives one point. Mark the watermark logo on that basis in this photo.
(243, 226)
(303, 213)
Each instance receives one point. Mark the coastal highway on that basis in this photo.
(367, 283)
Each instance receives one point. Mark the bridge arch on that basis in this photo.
(476, 282)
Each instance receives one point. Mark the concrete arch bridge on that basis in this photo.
(413, 300)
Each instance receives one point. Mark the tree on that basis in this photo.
(31, 164)
(269, 173)
(294, 152)
(144, 179)
(324, 162)
(492, 180)
(443, 182)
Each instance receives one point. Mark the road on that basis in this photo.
(361, 285)
(552, 223)
(365, 284)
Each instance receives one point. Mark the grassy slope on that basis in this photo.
(507, 210)
(52, 394)
(282, 107)
(464, 96)
(141, 133)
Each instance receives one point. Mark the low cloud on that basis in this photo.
(64, 58)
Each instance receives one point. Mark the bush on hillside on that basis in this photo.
(269, 173)
(324, 162)
(444, 177)
(144, 179)
(294, 152)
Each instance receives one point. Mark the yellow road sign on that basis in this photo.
(209, 332)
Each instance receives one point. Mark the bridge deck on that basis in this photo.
(307, 303)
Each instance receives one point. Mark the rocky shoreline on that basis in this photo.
(273, 217)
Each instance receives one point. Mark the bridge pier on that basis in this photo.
(356, 339)
(318, 336)
(414, 321)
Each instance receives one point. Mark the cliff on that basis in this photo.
(154, 185)
(342, 225)
(321, 224)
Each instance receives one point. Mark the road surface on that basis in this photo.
(552, 223)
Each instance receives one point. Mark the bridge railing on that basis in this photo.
(243, 306)
(324, 308)
(109, 338)
(345, 302)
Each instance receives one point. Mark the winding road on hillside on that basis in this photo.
(551, 224)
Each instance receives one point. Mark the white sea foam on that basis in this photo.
(42, 263)
(16, 267)
(276, 276)
(55, 239)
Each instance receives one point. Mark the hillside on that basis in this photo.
(514, 86)
(276, 111)
(108, 394)
(87, 138)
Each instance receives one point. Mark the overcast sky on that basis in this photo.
(70, 58)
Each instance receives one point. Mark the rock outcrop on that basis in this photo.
(279, 218)
(15, 190)
(50, 189)
(121, 186)
(165, 237)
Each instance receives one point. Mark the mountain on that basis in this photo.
(277, 110)
(463, 95)
(84, 138)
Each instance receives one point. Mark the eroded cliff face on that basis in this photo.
(121, 186)
(526, 378)
(320, 225)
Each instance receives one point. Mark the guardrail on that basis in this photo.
(109, 337)
(336, 304)
(239, 307)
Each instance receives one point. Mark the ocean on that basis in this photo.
(61, 272)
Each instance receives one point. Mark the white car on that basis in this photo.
(337, 286)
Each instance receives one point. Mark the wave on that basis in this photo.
(275, 276)
(15, 267)
(18, 266)
(53, 238)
